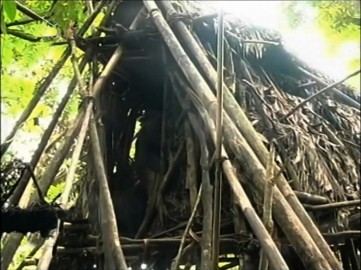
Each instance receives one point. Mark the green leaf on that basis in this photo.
(9, 8)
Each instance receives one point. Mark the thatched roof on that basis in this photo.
(323, 165)
(321, 140)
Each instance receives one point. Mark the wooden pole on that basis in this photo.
(111, 243)
(250, 134)
(207, 200)
(175, 264)
(267, 205)
(219, 137)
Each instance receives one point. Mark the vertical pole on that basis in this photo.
(219, 137)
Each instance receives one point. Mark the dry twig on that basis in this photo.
(327, 88)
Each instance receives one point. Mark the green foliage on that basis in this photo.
(40, 7)
(21, 254)
(9, 9)
(340, 16)
(339, 21)
(8, 13)
(335, 17)
(68, 11)
(26, 64)
(54, 191)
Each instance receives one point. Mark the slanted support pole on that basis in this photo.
(219, 137)
(111, 243)
(267, 205)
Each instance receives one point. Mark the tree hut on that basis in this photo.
(289, 194)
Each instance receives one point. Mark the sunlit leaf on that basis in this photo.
(9, 9)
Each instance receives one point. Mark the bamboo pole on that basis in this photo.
(241, 198)
(111, 243)
(114, 252)
(333, 205)
(250, 134)
(267, 204)
(191, 178)
(291, 225)
(207, 200)
(308, 198)
(219, 138)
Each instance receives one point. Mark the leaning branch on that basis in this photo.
(29, 37)
(23, 22)
(189, 224)
(318, 94)
(333, 205)
(267, 204)
(28, 12)
(341, 97)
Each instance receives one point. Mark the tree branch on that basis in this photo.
(28, 12)
(333, 205)
(23, 35)
(189, 224)
(22, 22)
(338, 95)
(318, 93)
